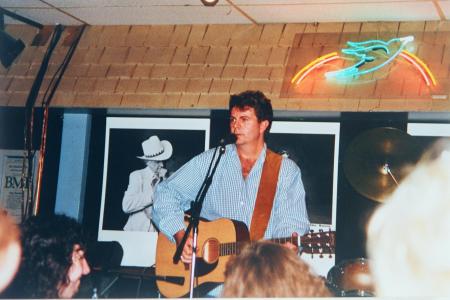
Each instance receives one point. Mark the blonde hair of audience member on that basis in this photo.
(409, 235)
(266, 269)
(10, 250)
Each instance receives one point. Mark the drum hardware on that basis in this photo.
(377, 160)
(351, 278)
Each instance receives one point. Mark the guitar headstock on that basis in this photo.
(320, 242)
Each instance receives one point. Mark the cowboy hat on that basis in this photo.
(154, 149)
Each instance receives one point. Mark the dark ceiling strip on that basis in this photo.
(242, 12)
(60, 71)
(440, 12)
(64, 12)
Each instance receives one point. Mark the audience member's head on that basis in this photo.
(266, 269)
(408, 235)
(10, 250)
(53, 260)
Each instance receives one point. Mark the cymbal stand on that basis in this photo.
(387, 170)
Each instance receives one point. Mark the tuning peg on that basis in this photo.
(328, 233)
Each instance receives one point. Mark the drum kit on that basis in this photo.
(375, 163)
(351, 278)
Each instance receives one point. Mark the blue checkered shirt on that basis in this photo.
(230, 195)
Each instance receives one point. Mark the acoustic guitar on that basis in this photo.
(217, 241)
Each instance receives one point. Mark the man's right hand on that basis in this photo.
(186, 255)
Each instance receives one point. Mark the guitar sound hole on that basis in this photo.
(211, 251)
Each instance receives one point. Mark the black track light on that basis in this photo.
(10, 48)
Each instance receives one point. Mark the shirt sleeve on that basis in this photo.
(290, 213)
(134, 198)
(174, 195)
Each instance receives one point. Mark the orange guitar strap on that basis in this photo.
(265, 196)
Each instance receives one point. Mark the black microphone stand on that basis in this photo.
(196, 208)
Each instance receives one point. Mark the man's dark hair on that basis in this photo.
(257, 100)
(47, 244)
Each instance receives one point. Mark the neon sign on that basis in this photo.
(366, 62)
(420, 66)
(313, 65)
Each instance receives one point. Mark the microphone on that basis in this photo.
(227, 139)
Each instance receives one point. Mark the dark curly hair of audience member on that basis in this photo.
(48, 244)
(265, 269)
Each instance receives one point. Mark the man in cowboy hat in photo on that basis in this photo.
(138, 199)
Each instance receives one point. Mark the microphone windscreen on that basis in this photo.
(229, 139)
(104, 255)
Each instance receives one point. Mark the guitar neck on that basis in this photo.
(313, 242)
(293, 240)
(234, 248)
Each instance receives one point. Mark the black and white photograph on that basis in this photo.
(314, 147)
(140, 153)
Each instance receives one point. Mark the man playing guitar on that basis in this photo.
(236, 184)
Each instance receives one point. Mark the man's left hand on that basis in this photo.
(290, 245)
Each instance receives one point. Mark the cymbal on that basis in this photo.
(378, 159)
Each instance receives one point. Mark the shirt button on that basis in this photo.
(242, 202)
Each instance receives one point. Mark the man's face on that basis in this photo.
(244, 125)
(154, 165)
(78, 269)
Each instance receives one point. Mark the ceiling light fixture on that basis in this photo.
(209, 2)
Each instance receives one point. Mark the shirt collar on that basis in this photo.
(259, 161)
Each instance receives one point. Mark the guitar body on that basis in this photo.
(209, 266)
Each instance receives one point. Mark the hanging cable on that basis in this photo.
(53, 85)
(27, 165)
